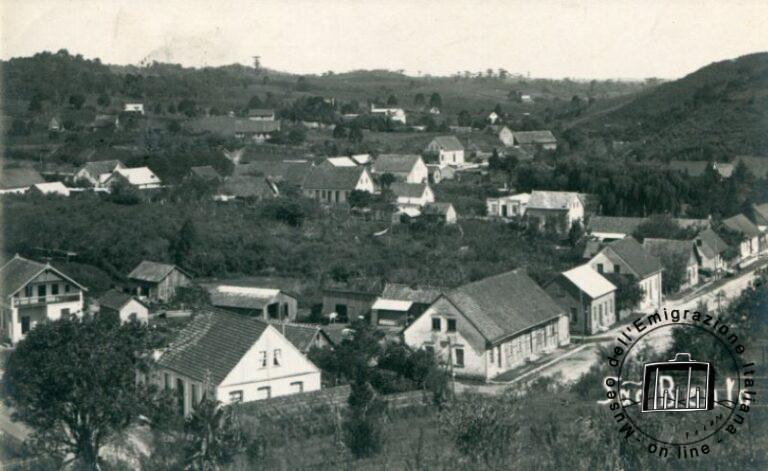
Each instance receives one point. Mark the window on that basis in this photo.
(616, 268)
(55, 289)
(436, 324)
(65, 312)
(263, 359)
(195, 392)
(28, 291)
(167, 381)
(25, 324)
(265, 392)
(297, 386)
(490, 353)
(599, 267)
(459, 358)
(41, 291)
(66, 287)
(451, 325)
(276, 357)
(180, 395)
(498, 355)
(236, 396)
(574, 314)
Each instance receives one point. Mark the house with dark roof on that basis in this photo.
(96, 173)
(628, 257)
(556, 209)
(760, 216)
(158, 281)
(588, 298)
(488, 327)
(33, 292)
(528, 139)
(412, 194)
(351, 300)
(291, 172)
(204, 172)
(611, 227)
(123, 306)
(710, 250)
(232, 358)
(449, 149)
(668, 249)
(267, 302)
(333, 185)
(246, 188)
(749, 248)
(399, 304)
(409, 168)
(305, 337)
(441, 212)
(246, 129)
(18, 180)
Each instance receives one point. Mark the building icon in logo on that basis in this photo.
(678, 385)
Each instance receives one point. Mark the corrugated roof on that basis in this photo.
(22, 177)
(327, 177)
(408, 190)
(242, 297)
(712, 244)
(395, 163)
(742, 225)
(504, 305)
(448, 143)
(639, 260)
(589, 281)
(416, 294)
(153, 272)
(213, 343)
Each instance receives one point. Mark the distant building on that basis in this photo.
(134, 108)
(246, 188)
(32, 293)
(123, 307)
(141, 178)
(400, 304)
(443, 212)
(434, 110)
(409, 168)
(627, 256)
(105, 122)
(612, 228)
(664, 248)
(710, 248)
(261, 115)
(258, 131)
(18, 180)
(305, 337)
(158, 281)
(264, 302)
(341, 162)
(528, 139)
(204, 172)
(449, 150)
(238, 358)
(330, 184)
(559, 209)
(54, 124)
(508, 206)
(95, 174)
(350, 301)
(50, 188)
(488, 327)
(493, 117)
(394, 114)
(588, 297)
(412, 194)
(750, 243)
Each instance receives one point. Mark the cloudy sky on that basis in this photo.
(546, 38)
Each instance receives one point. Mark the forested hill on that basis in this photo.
(718, 111)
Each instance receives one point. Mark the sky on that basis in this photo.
(544, 38)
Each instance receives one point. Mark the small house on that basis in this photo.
(349, 301)
(412, 194)
(134, 108)
(264, 302)
(559, 209)
(50, 188)
(588, 298)
(665, 249)
(123, 306)
(512, 206)
(749, 248)
(261, 115)
(158, 281)
(96, 173)
(409, 168)
(333, 185)
(710, 250)
(400, 304)
(18, 180)
(449, 149)
(441, 212)
(246, 188)
(141, 178)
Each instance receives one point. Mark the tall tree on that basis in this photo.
(436, 100)
(214, 436)
(184, 241)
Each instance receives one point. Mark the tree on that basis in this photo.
(255, 102)
(36, 103)
(214, 436)
(362, 427)
(386, 180)
(174, 127)
(392, 100)
(103, 100)
(359, 199)
(184, 241)
(77, 100)
(355, 133)
(73, 381)
(464, 118)
(628, 291)
(188, 107)
(340, 131)
(436, 100)
(419, 99)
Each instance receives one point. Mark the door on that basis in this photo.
(504, 210)
(25, 323)
(180, 394)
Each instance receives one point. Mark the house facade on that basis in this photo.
(412, 194)
(557, 209)
(34, 292)
(158, 281)
(508, 206)
(408, 168)
(488, 327)
(333, 185)
(96, 173)
(449, 149)
(348, 302)
(239, 358)
(588, 298)
(709, 249)
(441, 212)
(141, 178)
(627, 256)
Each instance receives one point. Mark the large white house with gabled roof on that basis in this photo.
(33, 292)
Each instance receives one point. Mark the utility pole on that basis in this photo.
(257, 64)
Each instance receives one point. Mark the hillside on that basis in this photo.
(718, 111)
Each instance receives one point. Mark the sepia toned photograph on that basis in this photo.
(383, 235)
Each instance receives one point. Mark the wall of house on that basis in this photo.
(251, 376)
(515, 351)
(365, 183)
(605, 261)
(131, 308)
(514, 208)
(455, 157)
(560, 218)
(328, 196)
(166, 289)
(357, 304)
(191, 393)
(419, 173)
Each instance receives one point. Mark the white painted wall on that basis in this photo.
(651, 285)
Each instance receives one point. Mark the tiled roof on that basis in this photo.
(248, 187)
(22, 177)
(610, 224)
(101, 167)
(395, 163)
(408, 190)
(205, 172)
(416, 294)
(153, 272)
(213, 343)
(592, 248)
(300, 335)
(742, 225)
(327, 177)
(534, 137)
(293, 172)
(633, 254)
(505, 304)
(761, 213)
(712, 244)
(589, 281)
(18, 271)
(448, 143)
(664, 247)
(114, 299)
(552, 199)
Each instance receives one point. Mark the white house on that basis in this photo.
(627, 256)
(123, 306)
(341, 162)
(508, 206)
(18, 180)
(408, 168)
(395, 114)
(141, 178)
(232, 358)
(488, 327)
(265, 302)
(96, 173)
(134, 108)
(412, 194)
(331, 184)
(749, 248)
(559, 208)
(587, 296)
(33, 292)
(50, 188)
(449, 150)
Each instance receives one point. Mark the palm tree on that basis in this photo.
(214, 436)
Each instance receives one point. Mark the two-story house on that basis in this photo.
(485, 328)
(556, 209)
(409, 168)
(33, 292)
(449, 150)
(237, 358)
(627, 256)
(587, 296)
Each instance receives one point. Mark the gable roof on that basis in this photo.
(408, 190)
(448, 143)
(213, 343)
(248, 187)
(301, 335)
(440, 209)
(51, 188)
(138, 175)
(395, 163)
(504, 305)
(101, 167)
(341, 162)
(153, 272)
(761, 213)
(324, 177)
(742, 225)
(18, 271)
(712, 244)
(534, 137)
(589, 281)
(205, 172)
(633, 254)
(241, 297)
(616, 225)
(114, 299)
(416, 294)
(552, 199)
(21, 177)
(663, 247)
(293, 172)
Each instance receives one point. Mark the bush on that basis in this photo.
(362, 427)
